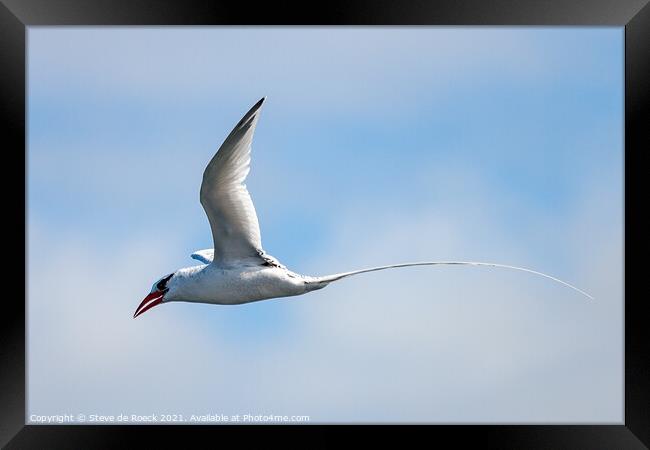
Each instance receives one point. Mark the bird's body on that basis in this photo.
(238, 270)
(209, 283)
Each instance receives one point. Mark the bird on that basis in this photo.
(237, 270)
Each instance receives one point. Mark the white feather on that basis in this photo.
(205, 256)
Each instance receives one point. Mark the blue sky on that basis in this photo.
(375, 145)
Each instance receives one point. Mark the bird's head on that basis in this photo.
(156, 296)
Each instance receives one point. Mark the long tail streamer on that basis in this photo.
(338, 276)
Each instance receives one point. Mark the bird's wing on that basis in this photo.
(230, 210)
(205, 256)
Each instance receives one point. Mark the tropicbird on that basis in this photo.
(238, 270)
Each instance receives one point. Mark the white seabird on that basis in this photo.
(238, 270)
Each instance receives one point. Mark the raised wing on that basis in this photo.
(225, 199)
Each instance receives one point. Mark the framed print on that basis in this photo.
(417, 219)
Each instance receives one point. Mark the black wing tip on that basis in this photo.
(248, 117)
(256, 107)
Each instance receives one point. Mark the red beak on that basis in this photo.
(151, 300)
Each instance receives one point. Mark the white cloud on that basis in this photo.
(420, 344)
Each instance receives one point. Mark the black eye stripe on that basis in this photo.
(162, 284)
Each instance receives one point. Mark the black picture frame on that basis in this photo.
(16, 15)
